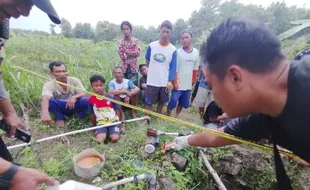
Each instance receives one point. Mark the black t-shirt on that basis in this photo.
(212, 111)
(292, 126)
(142, 81)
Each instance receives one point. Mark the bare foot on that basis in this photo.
(60, 123)
(122, 128)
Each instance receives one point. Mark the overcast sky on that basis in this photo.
(138, 12)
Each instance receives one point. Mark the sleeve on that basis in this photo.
(252, 127)
(3, 92)
(90, 109)
(138, 48)
(121, 51)
(173, 65)
(197, 63)
(130, 84)
(111, 85)
(148, 53)
(47, 90)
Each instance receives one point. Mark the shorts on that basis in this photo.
(181, 97)
(195, 89)
(156, 94)
(113, 130)
(204, 97)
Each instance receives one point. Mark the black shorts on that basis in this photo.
(156, 94)
(195, 89)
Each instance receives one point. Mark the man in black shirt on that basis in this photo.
(143, 71)
(214, 114)
(251, 79)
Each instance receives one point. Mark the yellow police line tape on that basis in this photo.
(188, 124)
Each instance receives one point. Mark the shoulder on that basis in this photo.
(73, 79)
(153, 43)
(49, 84)
(180, 50)
(92, 99)
(172, 47)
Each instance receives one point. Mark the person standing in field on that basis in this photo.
(129, 51)
(161, 57)
(143, 71)
(186, 74)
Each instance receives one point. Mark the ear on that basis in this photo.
(236, 77)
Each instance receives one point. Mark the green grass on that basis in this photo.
(84, 58)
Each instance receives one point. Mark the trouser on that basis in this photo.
(5, 154)
(58, 107)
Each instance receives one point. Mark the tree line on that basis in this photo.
(278, 16)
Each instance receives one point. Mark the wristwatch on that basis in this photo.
(7, 177)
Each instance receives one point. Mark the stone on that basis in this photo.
(166, 183)
(231, 168)
(178, 161)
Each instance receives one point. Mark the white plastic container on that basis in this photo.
(73, 185)
(88, 172)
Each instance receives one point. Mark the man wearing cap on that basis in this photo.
(12, 176)
(187, 67)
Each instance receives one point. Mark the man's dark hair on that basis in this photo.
(142, 65)
(166, 24)
(247, 43)
(56, 64)
(187, 31)
(97, 77)
(127, 23)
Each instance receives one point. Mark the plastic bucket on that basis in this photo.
(88, 169)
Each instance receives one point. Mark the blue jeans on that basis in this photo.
(58, 107)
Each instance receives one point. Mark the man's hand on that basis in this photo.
(30, 179)
(168, 87)
(179, 143)
(46, 118)
(14, 8)
(13, 122)
(129, 93)
(71, 102)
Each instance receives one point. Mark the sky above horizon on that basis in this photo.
(138, 12)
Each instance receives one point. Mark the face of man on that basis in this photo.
(186, 40)
(126, 31)
(118, 74)
(232, 93)
(165, 33)
(143, 71)
(60, 73)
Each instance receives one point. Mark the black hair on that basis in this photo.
(187, 31)
(56, 64)
(246, 43)
(127, 23)
(166, 24)
(118, 67)
(96, 77)
(142, 65)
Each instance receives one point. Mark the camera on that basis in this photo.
(5, 29)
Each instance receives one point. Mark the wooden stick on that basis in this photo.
(217, 179)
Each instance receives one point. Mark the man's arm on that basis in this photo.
(93, 119)
(8, 111)
(26, 178)
(133, 88)
(135, 53)
(173, 67)
(208, 140)
(45, 115)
